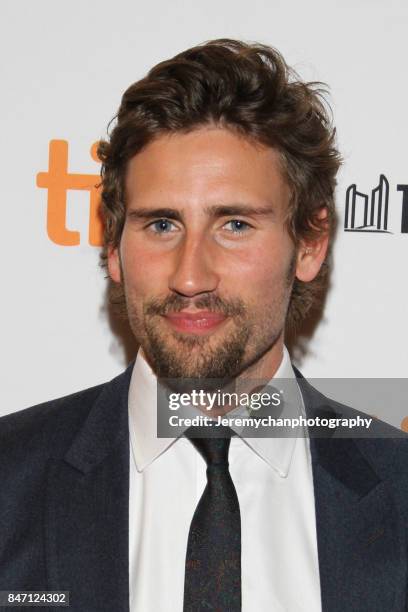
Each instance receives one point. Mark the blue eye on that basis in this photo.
(165, 226)
(238, 226)
(161, 226)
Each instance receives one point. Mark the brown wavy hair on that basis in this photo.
(247, 88)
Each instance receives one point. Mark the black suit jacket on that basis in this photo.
(64, 495)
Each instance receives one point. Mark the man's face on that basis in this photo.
(205, 257)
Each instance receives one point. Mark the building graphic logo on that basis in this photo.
(366, 213)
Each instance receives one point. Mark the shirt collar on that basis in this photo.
(146, 446)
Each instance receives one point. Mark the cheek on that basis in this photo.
(261, 269)
(145, 272)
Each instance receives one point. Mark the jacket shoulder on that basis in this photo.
(47, 430)
(45, 427)
(384, 446)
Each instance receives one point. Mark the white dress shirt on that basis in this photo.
(274, 484)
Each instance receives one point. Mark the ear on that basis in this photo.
(114, 264)
(311, 253)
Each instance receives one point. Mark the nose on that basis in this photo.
(194, 272)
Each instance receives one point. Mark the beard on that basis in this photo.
(184, 359)
(213, 359)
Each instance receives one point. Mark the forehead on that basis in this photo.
(207, 164)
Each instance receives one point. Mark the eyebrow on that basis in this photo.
(215, 211)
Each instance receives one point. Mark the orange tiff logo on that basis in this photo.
(57, 181)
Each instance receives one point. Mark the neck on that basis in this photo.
(266, 366)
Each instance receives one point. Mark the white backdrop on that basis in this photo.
(64, 66)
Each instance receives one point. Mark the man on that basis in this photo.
(218, 199)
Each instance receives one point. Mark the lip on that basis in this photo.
(195, 322)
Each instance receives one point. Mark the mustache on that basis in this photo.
(213, 303)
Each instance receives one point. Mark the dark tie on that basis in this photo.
(213, 560)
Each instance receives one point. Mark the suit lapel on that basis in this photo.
(87, 524)
(361, 556)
